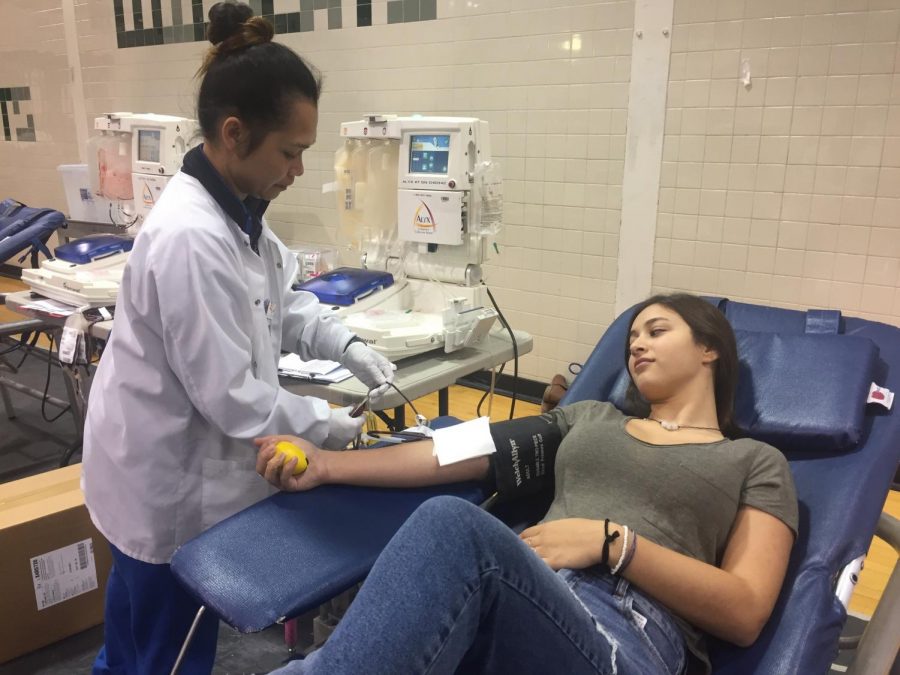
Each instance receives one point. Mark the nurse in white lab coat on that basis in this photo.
(189, 377)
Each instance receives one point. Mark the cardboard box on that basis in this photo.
(53, 562)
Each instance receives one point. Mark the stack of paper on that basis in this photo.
(291, 365)
(52, 307)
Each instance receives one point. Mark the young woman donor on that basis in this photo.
(662, 529)
(189, 377)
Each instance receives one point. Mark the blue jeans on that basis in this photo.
(455, 590)
(148, 615)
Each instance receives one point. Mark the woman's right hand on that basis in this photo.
(279, 471)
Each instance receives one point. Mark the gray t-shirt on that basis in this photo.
(684, 497)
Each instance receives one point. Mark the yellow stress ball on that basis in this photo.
(289, 450)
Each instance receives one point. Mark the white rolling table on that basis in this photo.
(423, 374)
(416, 376)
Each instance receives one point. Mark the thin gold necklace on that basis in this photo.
(674, 426)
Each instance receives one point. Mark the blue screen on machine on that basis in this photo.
(429, 153)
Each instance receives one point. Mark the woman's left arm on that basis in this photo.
(731, 602)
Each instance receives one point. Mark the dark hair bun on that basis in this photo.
(227, 19)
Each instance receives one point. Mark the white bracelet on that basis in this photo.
(615, 570)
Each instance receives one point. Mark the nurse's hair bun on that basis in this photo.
(233, 28)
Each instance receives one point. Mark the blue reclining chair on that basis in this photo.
(22, 228)
(803, 387)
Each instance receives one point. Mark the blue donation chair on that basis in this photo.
(803, 388)
(22, 228)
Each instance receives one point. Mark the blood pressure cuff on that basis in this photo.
(525, 457)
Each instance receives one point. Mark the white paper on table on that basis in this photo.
(51, 307)
(291, 365)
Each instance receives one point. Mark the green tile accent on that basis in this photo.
(395, 11)
(363, 14)
(148, 29)
(334, 18)
(176, 13)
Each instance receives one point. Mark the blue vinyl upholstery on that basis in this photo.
(286, 554)
(23, 228)
(804, 392)
(841, 494)
(292, 552)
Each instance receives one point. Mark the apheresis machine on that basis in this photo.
(420, 198)
(131, 158)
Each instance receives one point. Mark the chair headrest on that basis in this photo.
(796, 392)
(804, 392)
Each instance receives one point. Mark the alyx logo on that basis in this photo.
(423, 220)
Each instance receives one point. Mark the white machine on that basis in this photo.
(130, 161)
(420, 197)
(132, 158)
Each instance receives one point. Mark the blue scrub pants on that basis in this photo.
(148, 616)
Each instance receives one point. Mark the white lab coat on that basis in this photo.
(189, 376)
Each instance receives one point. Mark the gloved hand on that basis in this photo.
(373, 370)
(342, 428)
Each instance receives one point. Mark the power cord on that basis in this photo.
(515, 346)
(47, 387)
(487, 392)
(27, 341)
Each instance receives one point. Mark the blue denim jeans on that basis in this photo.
(455, 590)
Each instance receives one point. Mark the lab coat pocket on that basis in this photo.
(228, 487)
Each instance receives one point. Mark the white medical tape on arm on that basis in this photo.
(463, 441)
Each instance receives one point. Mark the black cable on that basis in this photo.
(487, 391)
(21, 342)
(29, 348)
(397, 389)
(407, 435)
(47, 388)
(515, 346)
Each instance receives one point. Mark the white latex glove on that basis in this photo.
(372, 369)
(342, 428)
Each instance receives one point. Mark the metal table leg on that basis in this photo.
(444, 401)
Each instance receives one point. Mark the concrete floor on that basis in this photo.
(237, 654)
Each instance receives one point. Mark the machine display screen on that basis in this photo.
(429, 153)
(148, 145)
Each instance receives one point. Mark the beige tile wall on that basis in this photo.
(550, 77)
(787, 191)
(33, 55)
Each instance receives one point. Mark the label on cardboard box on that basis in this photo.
(64, 573)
